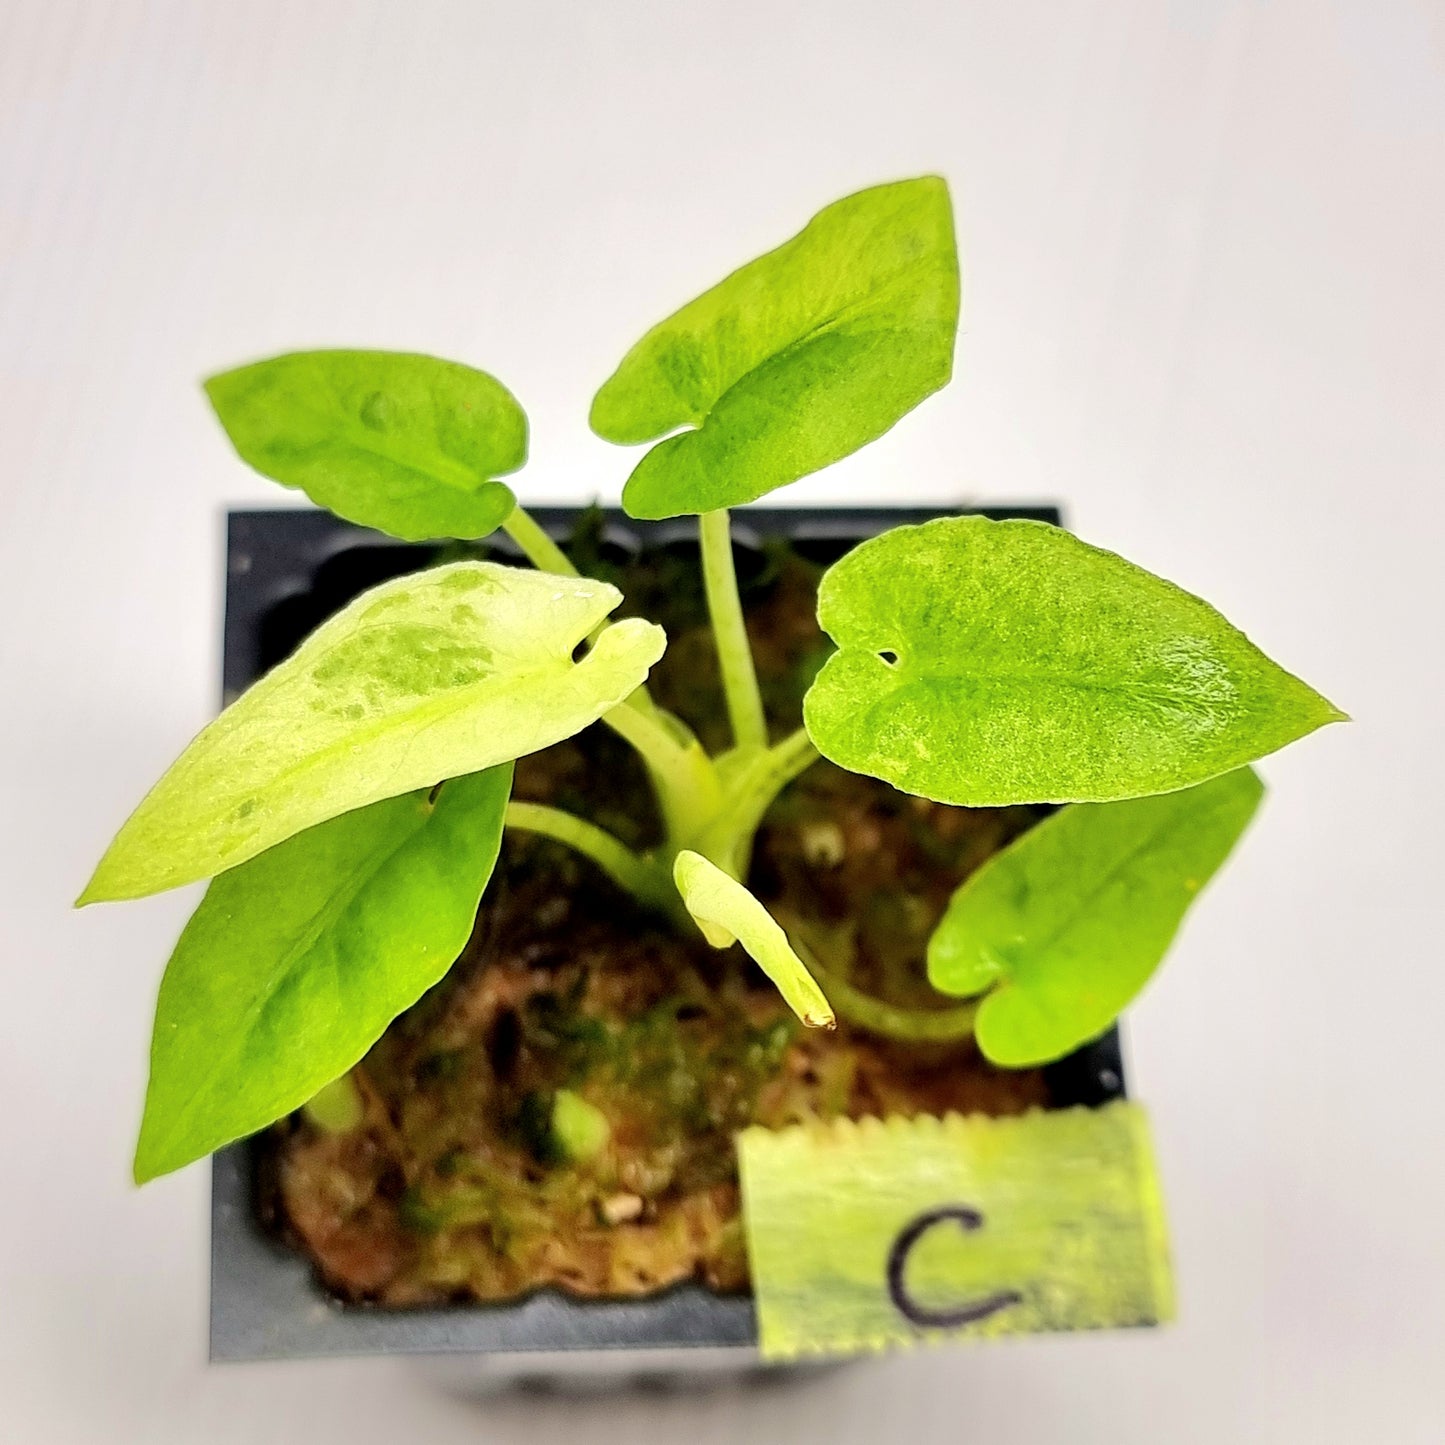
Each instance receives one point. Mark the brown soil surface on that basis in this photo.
(450, 1188)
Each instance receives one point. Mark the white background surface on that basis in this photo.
(1203, 246)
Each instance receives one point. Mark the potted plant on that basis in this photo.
(951, 789)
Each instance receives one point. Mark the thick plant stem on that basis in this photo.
(781, 764)
(683, 775)
(751, 791)
(646, 882)
(540, 550)
(735, 655)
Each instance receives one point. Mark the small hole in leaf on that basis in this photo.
(889, 656)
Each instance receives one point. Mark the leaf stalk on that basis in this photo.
(538, 548)
(647, 882)
(751, 787)
(735, 654)
(688, 789)
(889, 1021)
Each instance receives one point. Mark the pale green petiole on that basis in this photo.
(735, 656)
(751, 784)
(640, 877)
(686, 780)
(539, 549)
(889, 1021)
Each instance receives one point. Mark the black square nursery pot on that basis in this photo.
(287, 571)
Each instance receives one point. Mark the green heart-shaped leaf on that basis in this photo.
(406, 444)
(1067, 924)
(727, 913)
(295, 962)
(989, 663)
(799, 358)
(427, 677)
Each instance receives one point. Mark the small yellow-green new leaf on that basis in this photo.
(727, 913)
(295, 963)
(403, 443)
(989, 663)
(426, 677)
(1069, 922)
(799, 358)
(579, 1127)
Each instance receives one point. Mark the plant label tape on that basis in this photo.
(897, 1232)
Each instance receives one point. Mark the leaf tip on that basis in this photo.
(215, 386)
(96, 890)
(147, 1163)
(1314, 709)
(117, 879)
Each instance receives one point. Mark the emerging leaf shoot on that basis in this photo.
(337, 1107)
(580, 1128)
(727, 913)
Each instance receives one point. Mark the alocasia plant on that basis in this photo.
(350, 805)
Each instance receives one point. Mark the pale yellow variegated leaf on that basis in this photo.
(427, 677)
